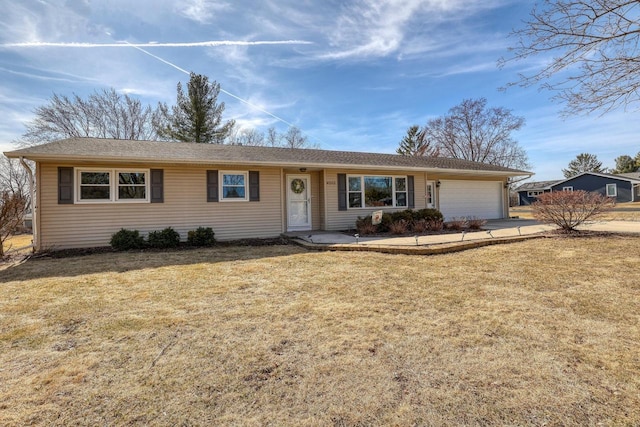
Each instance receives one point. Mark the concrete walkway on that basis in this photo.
(493, 232)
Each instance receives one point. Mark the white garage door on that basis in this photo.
(481, 199)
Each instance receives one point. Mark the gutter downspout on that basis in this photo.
(32, 192)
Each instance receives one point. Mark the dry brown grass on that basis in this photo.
(17, 241)
(543, 332)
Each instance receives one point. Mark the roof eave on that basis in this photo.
(155, 160)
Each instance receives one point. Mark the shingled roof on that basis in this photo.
(538, 185)
(155, 152)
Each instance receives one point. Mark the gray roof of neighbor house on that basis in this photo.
(635, 176)
(622, 177)
(118, 150)
(546, 185)
(538, 185)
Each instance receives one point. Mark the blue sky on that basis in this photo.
(352, 74)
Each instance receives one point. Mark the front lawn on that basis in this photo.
(545, 331)
(621, 212)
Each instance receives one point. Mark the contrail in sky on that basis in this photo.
(221, 90)
(212, 43)
(140, 46)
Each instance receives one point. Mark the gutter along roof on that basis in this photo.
(135, 151)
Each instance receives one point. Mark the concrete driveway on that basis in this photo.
(492, 230)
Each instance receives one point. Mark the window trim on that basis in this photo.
(221, 175)
(569, 188)
(393, 191)
(615, 190)
(113, 185)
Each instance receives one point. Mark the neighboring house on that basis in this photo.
(529, 191)
(622, 187)
(87, 189)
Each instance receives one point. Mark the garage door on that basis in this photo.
(481, 199)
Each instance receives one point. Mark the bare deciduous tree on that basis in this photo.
(273, 137)
(250, 137)
(13, 177)
(596, 52)
(473, 131)
(294, 138)
(570, 209)
(12, 207)
(105, 114)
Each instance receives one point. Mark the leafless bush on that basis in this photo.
(399, 227)
(456, 224)
(12, 207)
(420, 226)
(435, 225)
(364, 226)
(569, 209)
(475, 223)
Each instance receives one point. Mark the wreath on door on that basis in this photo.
(297, 186)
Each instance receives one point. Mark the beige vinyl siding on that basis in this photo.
(185, 208)
(344, 220)
(316, 201)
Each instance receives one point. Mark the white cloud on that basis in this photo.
(202, 11)
(374, 28)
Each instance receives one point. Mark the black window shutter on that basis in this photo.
(212, 186)
(342, 192)
(65, 186)
(157, 186)
(254, 186)
(410, 192)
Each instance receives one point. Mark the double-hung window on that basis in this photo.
(112, 185)
(234, 186)
(612, 190)
(94, 186)
(132, 186)
(377, 191)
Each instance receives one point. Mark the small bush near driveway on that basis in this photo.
(570, 209)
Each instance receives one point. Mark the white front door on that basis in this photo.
(299, 202)
(431, 194)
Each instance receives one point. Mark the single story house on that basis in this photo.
(622, 187)
(86, 189)
(529, 191)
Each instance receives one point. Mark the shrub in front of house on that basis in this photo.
(433, 218)
(364, 226)
(456, 224)
(125, 240)
(401, 222)
(167, 238)
(429, 214)
(201, 236)
(406, 215)
(400, 226)
(475, 223)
